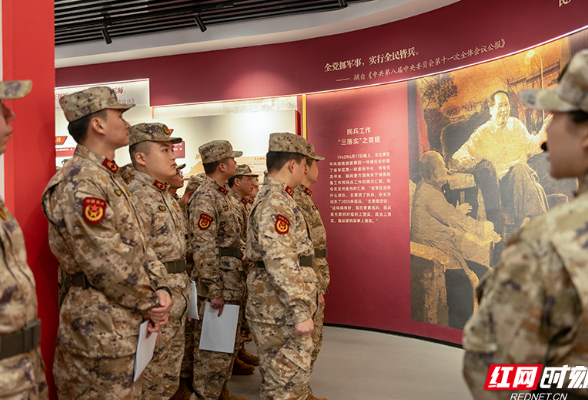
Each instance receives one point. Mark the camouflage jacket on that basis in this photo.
(18, 305)
(532, 306)
(318, 234)
(243, 207)
(214, 223)
(167, 230)
(283, 292)
(94, 228)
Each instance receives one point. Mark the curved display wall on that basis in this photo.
(389, 145)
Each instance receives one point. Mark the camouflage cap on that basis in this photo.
(312, 154)
(15, 89)
(570, 94)
(287, 142)
(180, 167)
(151, 132)
(244, 170)
(194, 182)
(127, 172)
(79, 104)
(256, 180)
(217, 150)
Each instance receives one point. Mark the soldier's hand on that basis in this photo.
(244, 259)
(159, 314)
(321, 299)
(154, 328)
(218, 304)
(304, 328)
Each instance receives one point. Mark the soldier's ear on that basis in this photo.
(96, 125)
(141, 158)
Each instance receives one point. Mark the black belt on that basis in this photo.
(175, 267)
(230, 252)
(79, 280)
(21, 342)
(321, 253)
(304, 261)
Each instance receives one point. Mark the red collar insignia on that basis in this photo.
(244, 200)
(223, 190)
(160, 186)
(289, 191)
(308, 191)
(111, 165)
(250, 201)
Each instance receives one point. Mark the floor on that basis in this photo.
(359, 365)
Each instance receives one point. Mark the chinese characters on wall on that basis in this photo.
(360, 181)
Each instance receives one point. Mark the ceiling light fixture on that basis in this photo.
(200, 23)
(105, 35)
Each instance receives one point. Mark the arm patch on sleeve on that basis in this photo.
(282, 224)
(204, 221)
(94, 210)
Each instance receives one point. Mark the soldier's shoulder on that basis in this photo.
(77, 171)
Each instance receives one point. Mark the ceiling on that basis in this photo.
(79, 21)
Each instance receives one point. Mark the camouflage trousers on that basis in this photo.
(22, 377)
(188, 360)
(161, 378)
(212, 369)
(82, 378)
(245, 331)
(284, 361)
(317, 334)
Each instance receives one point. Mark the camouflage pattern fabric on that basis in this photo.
(214, 223)
(166, 229)
(94, 228)
(15, 89)
(151, 132)
(284, 361)
(23, 375)
(288, 143)
(78, 105)
(81, 378)
(282, 293)
(211, 369)
(318, 235)
(187, 367)
(217, 150)
(530, 306)
(127, 172)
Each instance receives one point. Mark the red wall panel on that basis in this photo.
(29, 163)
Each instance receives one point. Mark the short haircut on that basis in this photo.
(309, 161)
(578, 116)
(427, 164)
(78, 129)
(232, 180)
(275, 160)
(492, 98)
(209, 168)
(141, 147)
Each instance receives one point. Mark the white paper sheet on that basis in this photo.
(145, 348)
(193, 310)
(218, 333)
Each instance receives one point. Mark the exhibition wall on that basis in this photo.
(376, 100)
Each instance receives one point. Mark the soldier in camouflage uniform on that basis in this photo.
(22, 372)
(127, 172)
(282, 288)
(241, 186)
(318, 235)
(532, 307)
(187, 371)
(98, 237)
(255, 190)
(151, 149)
(215, 233)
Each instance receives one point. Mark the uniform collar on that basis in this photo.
(150, 181)
(209, 181)
(108, 165)
(238, 197)
(305, 190)
(282, 185)
(582, 184)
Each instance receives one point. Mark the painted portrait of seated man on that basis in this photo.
(438, 224)
(496, 154)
